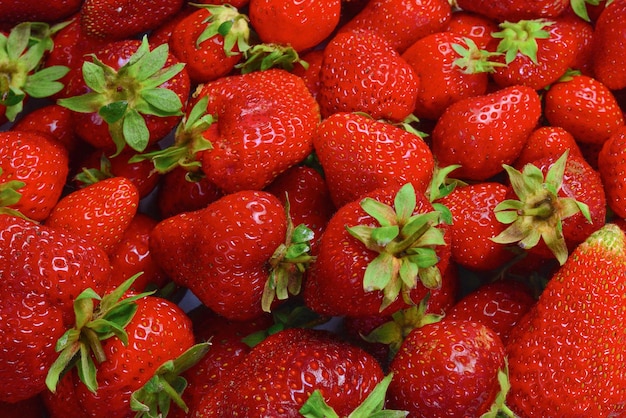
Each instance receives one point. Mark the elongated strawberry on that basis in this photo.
(576, 326)
(359, 154)
(100, 212)
(608, 58)
(612, 171)
(481, 133)
(384, 86)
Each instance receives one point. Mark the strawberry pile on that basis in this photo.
(322, 208)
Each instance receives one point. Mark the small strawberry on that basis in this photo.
(576, 326)
(301, 25)
(384, 86)
(481, 133)
(401, 22)
(112, 20)
(33, 171)
(359, 154)
(585, 107)
(515, 10)
(609, 60)
(547, 141)
(100, 212)
(611, 164)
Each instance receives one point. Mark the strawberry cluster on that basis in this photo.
(318, 208)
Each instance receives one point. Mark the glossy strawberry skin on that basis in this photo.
(612, 167)
(100, 212)
(384, 87)
(473, 25)
(177, 194)
(482, 133)
(38, 161)
(446, 369)
(265, 124)
(16, 11)
(43, 270)
(557, 334)
(547, 141)
(609, 59)
(359, 154)
(221, 252)
(515, 10)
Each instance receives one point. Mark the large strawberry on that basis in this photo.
(515, 10)
(360, 154)
(612, 167)
(42, 271)
(384, 85)
(481, 133)
(575, 327)
(134, 95)
(237, 255)
(609, 60)
(33, 171)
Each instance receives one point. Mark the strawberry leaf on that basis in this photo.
(94, 77)
(135, 130)
(162, 102)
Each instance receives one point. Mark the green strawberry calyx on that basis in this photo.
(499, 407)
(580, 7)
(473, 60)
(539, 212)
(188, 142)
(89, 176)
(372, 406)
(288, 263)
(405, 244)
(262, 57)
(521, 37)
(94, 324)
(122, 97)
(226, 21)
(9, 196)
(22, 73)
(154, 399)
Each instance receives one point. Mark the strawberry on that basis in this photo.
(612, 171)
(401, 22)
(547, 141)
(260, 132)
(384, 86)
(585, 107)
(239, 4)
(100, 212)
(499, 305)
(42, 271)
(211, 34)
(536, 52)
(481, 133)
(235, 255)
(515, 10)
(135, 96)
(555, 204)
(301, 25)
(475, 26)
(110, 20)
(575, 327)
(450, 67)
(447, 368)
(359, 154)
(297, 362)
(33, 170)
(375, 258)
(310, 72)
(16, 11)
(183, 191)
(608, 58)
(474, 224)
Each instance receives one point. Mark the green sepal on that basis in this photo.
(135, 131)
(226, 21)
(262, 57)
(43, 83)
(580, 8)
(441, 185)
(521, 36)
(89, 176)
(473, 60)
(499, 407)
(407, 125)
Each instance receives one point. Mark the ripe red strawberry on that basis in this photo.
(100, 212)
(536, 52)
(384, 86)
(183, 191)
(547, 141)
(576, 326)
(42, 271)
(611, 164)
(301, 25)
(311, 72)
(450, 67)
(110, 20)
(609, 60)
(475, 26)
(379, 254)
(584, 32)
(447, 369)
(498, 305)
(482, 133)
(297, 362)
(401, 22)
(474, 224)
(234, 255)
(16, 11)
(210, 41)
(515, 10)
(134, 96)
(260, 132)
(33, 171)
(585, 107)
(359, 154)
